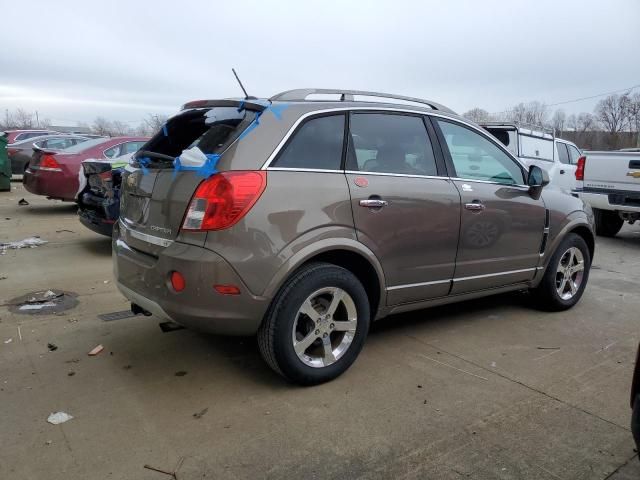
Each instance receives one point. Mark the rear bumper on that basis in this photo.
(603, 201)
(54, 184)
(144, 280)
(93, 221)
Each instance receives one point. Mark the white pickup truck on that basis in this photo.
(538, 146)
(610, 183)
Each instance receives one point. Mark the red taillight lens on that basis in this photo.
(580, 168)
(223, 199)
(177, 281)
(227, 289)
(47, 161)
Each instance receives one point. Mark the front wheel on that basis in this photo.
(566, 276)
(316, 325)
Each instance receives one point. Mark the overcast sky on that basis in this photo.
(73, 61)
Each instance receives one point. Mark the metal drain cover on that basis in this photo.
(44, 302)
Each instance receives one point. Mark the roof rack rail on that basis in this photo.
(347, 96)
(530, 126)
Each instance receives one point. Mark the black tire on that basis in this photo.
(545, 295)
(275, 333)
(608, 223)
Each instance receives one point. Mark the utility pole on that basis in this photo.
(37, 119)
(6, 118)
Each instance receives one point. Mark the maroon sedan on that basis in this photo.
(55, 174)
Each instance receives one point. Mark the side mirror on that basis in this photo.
(538, 177)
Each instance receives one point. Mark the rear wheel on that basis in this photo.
(566, 276)
(316, 325)
(608, 223)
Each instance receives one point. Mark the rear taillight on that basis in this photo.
(223, 199)
(47, 162)
(580, 168)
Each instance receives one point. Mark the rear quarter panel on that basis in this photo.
(293, 213)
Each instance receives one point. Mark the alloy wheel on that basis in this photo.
(570, 273)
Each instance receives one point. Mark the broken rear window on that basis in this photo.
(211, 130)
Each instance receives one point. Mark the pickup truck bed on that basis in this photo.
(611, 185)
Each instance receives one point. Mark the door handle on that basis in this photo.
(373, 203)
(474, 206)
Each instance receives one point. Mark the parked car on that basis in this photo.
(322, 216)
(635, 401)
(19, 135)
(55, 174)
(610, 183)
(20, 153)
(538, 146)
(99, 193)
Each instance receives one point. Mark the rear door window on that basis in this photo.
(317, 144)
(563, 156)
(390, 143)
(574, 154)
(475, 157)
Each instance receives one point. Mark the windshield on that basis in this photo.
(81, 147)
(211, 130)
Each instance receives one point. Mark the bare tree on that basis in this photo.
(102, 126)
(534, 113)
(558, 121)
(613, 112)
(23, 119)
(154, 122)
(477, 115)
(120, 129)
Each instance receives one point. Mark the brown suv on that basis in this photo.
(304, 220)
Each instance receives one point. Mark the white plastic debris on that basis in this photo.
(36, 306)
(9, 340)
(192, 157)
(58, 418)
(30, 242)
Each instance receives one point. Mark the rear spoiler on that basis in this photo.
(45, 150)
(257, 106)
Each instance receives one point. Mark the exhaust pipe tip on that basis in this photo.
(137, 310)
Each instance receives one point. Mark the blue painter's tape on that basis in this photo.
(144, 164)
(277, 110)
(241, 106)
(207, 169)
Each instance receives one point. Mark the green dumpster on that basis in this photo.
(5, 165)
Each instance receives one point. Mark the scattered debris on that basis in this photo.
(180, 373)
(201, 413)
(96, 350)
(29, 242)
(168, 327)
(71, 320)
(9, 340)
(173, 474)
(3, 277)
(105, 282)
(52, 347)
(22, 201)
(493, 364)
(73, 360)
(419, 386)
(109, 317)
(71, 373)
(19, 334)
(58, 418)
(65, 230)
(127, 367)
(48, 442)
(548, 348)
(45, 302)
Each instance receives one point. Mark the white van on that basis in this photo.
(538, 146)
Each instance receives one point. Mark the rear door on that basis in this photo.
(501, 224)
(565, 171)
(405, 208)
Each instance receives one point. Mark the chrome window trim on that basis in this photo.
(508, 185)
(145, 237)
(294, 169)
(487, 275)
(421, 284)
(384, 174)
(303, 117)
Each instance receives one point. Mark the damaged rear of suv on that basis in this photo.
(302, 221)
